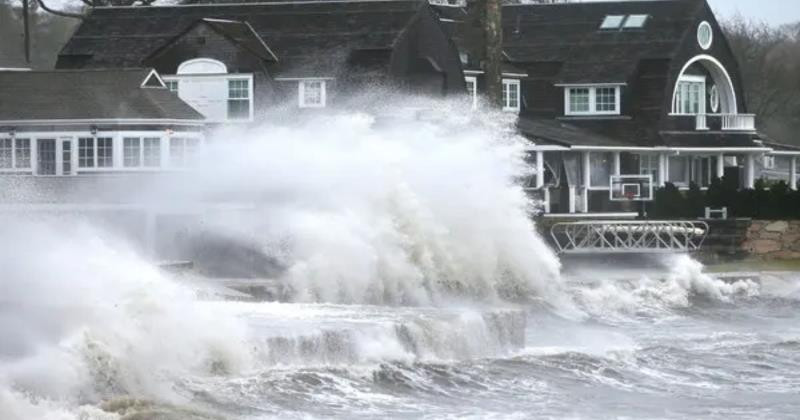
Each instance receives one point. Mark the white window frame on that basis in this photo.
(677, 105)
(652, 167)
(187, 160)
(592, 100)
(705, 45)
(248, 98)
(472, 80)
(14, 167)
(115, 143)
(140, 138)
(301, 93)
(226, 77)
(508, 84)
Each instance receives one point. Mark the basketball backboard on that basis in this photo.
(631, 188)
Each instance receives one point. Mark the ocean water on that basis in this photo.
(413, 285)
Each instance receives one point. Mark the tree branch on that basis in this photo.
(59, 12)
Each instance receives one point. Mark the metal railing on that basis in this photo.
(629, 236)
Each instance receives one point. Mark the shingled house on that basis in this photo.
(66, 123)
(604, 89)
(231, 61)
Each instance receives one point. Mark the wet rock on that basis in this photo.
(780, 227)
(765, 246)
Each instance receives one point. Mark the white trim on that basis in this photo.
(509, 83)
(702, 57)
(784, 153)
(592, 101)
(518, 75)
(147, 79)
(700, 27)
(474, 97)
(298, 79)
(627, 215)
(470, 72)
(102, 121)
(264, 44)
(200, 60)
(589, 84)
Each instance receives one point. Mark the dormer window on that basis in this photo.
(690, 96)
(511, 95)
(312, 93)
(592, 100)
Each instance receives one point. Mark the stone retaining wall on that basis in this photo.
(777, 240)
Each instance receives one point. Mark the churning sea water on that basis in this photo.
(414, 286)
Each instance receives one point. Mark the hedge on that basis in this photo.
(773, 203)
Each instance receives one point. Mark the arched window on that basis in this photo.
(202, 66)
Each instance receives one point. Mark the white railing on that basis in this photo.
(739, 122)
(702, 122)
(629, 236)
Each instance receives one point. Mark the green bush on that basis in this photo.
(769, 202)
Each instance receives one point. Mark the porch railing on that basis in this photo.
(742, 122)
(728, 122)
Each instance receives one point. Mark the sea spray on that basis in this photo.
(84, 319)
(354, 208)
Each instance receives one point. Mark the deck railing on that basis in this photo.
(726, 122)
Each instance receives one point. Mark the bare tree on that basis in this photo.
(769, 60)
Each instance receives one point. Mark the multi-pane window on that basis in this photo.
(472, 90)
(510, 95)
(579, 101)
(172, 85)
(690, 96)
(182, 151)
(105, 152)
(606, 99)
(86, 152)
(238, 99)
(312, 93)
(95, 152)
(142, 152)
(588, 100)
(151, 152)
(132, 152)
(15, 153)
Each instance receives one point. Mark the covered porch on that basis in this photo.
(577, 180)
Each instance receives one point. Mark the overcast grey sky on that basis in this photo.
(775, 12)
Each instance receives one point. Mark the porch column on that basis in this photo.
(572, 194)
(720, 165)
(587, 180)
(750, 171)
(539, 169)
(547, 200)
(617, 165)
(662, 170)
(793, 173)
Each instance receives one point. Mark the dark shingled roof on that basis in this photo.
(701, 139)
(87, 94)
(301, 35)
(570, 34)
(549, 131)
